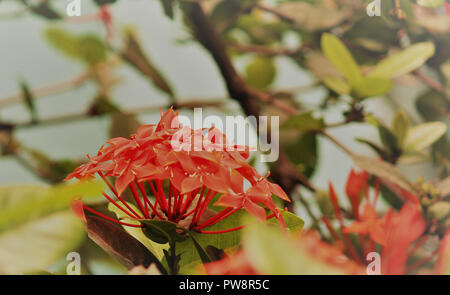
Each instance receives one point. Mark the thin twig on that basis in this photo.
(48, 89)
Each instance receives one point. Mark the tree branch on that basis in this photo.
(284, 173)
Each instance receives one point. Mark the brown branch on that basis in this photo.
(48, 89)
(284, 173)
(264, 50)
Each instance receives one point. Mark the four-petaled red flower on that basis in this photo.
(184, 181)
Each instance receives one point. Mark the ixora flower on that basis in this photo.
(179, 185)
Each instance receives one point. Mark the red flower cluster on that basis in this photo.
(398, 234)
(183, 182)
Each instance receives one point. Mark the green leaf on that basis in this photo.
(433, 106)
(388, 139)
(45, 10)
(383, 170)
(63, 41)
(273, 253)
(400, 126)
(137, 233)
(260, 72)
(371, 86)
(162, 232)
(135, 56)
(424, 135)
(341, 58)
(190, 257)
(304, 122)
(36, 245)
(29, 101)
(87, 48)
(167, 6)
(103, 2)
(91, 48)
(431, 3)
(404, 61)
(336, 84)
(311, 17)
(21, 204)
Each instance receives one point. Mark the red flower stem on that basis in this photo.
(109, 218)
(137, 199)
(197, 207)
(175, 200)
(216, 218)
(169, 207)
(230, 229)
(146, 198)
(221, 231)
(162, 195)
(154, 192)
(337, 210)
(377, 191)
(117, 205)
(180, 202)
(330, 228)
(189, 200)
(205, 205)
(117, 195)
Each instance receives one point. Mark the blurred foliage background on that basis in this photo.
(68, 84)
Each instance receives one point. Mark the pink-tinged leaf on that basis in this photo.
(119, 244)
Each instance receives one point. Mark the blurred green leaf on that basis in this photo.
(304, 122)
(135, 56)
(282, 257)
(371, 86)
(22, 204)
(45, 10)
(91, 48)
(383, 170)
(400, 126)
(63, 41)
(431, 3)
(36, 245)
(29, 100)
(103, 2)
(336, 84)
(433, 106)
(260, 72)
(404, 61)
(190, 257)
(341, 58)
(311, 17)
(87, 48)
(167, 6)
(422, 136)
